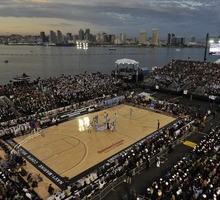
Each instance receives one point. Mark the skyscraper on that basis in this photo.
(170, 38)
(111, 39)
(53, 38)
(69, 38)
(81, 34)
(103, 38)
(178, 41)
(155, 37)
(87, 34)
(123, 38)
(193, 39)
(142, 38)
(43, 36)
(59, 37)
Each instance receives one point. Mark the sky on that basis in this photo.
(182, 17)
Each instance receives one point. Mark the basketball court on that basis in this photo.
(70, 150)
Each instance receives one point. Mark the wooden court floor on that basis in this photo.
(69, 149)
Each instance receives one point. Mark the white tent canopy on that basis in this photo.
(127, 68)
(126, 61)
(217, 61)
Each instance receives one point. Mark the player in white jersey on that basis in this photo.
(115, 117)
(90, 128)
(112, 127)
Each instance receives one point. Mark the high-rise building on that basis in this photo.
(178, 41)
(103, 38)
(142, 38)
(117, 41)
(68, 38)
(155, 37)
(53, 38)
(92, 38)
(111, 39)
(81, 34)
(123, 38)
(43, 37)
(98, 36)
(170, 38)
(60, 38)
(75, 37)
(193, 39)
(87, 35)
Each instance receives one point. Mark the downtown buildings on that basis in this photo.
(57, 38)
(102, 38)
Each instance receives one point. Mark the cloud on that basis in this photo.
(123, 15)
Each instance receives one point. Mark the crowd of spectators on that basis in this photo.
(42, 100)
(6, 113)
(47, 94)
(195, 176)
(82, 87)
(196, 77)
(12, 186)
(169, 106)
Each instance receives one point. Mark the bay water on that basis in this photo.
(47, 61)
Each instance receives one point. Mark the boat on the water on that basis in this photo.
(6, 61)
(23, 78)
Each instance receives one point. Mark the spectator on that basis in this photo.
(50, 189)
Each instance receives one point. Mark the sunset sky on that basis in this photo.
(183, 17)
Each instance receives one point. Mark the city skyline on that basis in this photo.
(184, 17)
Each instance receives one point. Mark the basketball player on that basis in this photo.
(112, 127)
(36, 127)
(115, 117)
(158, 124)
(131, 112)
(90, 128)
(107, 125)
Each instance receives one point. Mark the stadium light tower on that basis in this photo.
(206, 46)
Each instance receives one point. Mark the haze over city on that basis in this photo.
(182, 17)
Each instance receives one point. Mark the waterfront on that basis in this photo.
(42, 61)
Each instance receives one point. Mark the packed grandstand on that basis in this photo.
(194, 176)
(195, 77)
